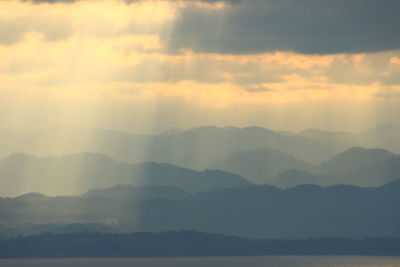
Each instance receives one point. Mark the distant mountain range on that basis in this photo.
(194, 148)
(76, 173)
(203, 179)
(260, 165)
(382, 136)
(250, 211)
(356, 165)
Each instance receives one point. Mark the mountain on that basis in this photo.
(337, 141)
(260, 165)
(293, 177)
(207, 144)
(195, 148)
(180, 246)
(354, 158)
(33, 197)
(250, 211)
(374, 174)
(360, 166)
(76, 173)
(383, 136)
(128, 191)
(355, 166)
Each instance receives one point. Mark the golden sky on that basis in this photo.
(149, 66)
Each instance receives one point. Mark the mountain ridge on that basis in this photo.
(261, 211)
(60, 175)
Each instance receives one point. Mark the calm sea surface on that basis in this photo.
(284, 261)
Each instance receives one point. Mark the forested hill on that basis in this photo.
(185, 244)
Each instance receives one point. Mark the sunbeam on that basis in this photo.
(276, 122)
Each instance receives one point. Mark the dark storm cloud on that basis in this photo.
(305, 26)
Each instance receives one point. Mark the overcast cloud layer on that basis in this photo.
(259, 26)
(304, 26)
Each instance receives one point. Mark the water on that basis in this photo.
(267, 261)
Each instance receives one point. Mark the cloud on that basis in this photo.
(108, 43)
(304, 26)
(101, 19)
(255, 88)
(13, 30)
(250, 27)
(388, 93)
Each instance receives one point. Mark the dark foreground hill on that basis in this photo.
(185, 244)
(251, 211)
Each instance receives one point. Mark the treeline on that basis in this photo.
(185, 244)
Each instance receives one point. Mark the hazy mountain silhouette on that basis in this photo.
(127, 191)
(360, 166)
(293, 177)
(33, 197)
(194, 148)
(252, 211)
(382, 136)
(76, 173)
(260, 165)
(354, 158)
(356, 166)
(374, 174)
(337, 141)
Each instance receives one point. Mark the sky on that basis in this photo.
(152, 66)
